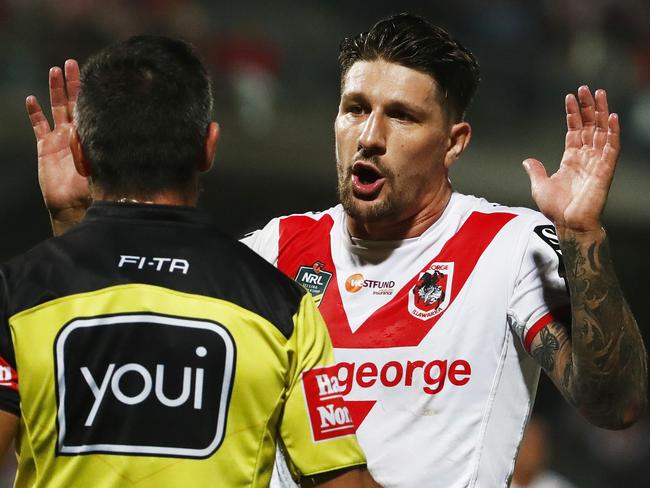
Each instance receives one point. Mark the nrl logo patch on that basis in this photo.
(314, 279)
(432, 292)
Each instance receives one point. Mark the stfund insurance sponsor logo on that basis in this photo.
(356, 282)
(143, 384)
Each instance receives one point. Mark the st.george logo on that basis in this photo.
(143, 384)
(314, 279)
(432, 291)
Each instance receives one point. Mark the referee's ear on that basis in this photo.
(211, 140)
(80, 162)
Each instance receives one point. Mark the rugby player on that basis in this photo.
(145, 348)
(443, 307)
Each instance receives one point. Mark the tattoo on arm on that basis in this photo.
(601, 366)
(553, 353)
(545, 352)
(568, 375)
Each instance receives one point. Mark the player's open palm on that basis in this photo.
(574, 196)
(62, 187)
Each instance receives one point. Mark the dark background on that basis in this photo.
(276, 89)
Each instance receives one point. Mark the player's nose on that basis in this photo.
(373, 134)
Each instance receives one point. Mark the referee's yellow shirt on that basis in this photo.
(146, 349)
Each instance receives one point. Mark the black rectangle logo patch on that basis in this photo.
(143, 384)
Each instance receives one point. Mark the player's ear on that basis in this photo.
(459, 137)
(211, 140)
(80, 162)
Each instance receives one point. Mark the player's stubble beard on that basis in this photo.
(382, 209)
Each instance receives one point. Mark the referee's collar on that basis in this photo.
(100, 210)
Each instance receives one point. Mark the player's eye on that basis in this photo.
(400, 115)
(354, 108)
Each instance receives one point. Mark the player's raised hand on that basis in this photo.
(65, 192)
(574, 196)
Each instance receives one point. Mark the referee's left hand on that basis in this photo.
(574, 197)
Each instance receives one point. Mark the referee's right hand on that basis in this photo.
(65, 192)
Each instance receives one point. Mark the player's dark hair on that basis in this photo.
(142, 116)
(415, 43)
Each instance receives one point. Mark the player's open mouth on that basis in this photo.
(366, 180)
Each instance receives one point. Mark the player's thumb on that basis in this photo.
(536, 172)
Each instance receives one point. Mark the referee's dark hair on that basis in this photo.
(143, 111)
(413, 42)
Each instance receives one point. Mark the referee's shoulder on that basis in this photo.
(38, 256)
(252, 282)
(267, 275)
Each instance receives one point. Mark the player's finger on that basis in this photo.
(72, 84)
(573, 122)
(613, 145)
(58, 98)
(602, 119)
(37, 118)
(587, 114)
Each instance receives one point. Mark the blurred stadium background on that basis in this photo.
(276, 86)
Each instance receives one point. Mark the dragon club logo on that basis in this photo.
(432, 292)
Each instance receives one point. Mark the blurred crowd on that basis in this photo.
(274, 65)
(263, 54)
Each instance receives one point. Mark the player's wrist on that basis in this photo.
(595, 233)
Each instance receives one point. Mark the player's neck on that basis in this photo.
(413, 225)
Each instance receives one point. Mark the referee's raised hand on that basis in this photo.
(65, 192)
(574, 196)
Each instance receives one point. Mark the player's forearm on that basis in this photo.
(64, 220)
(607, 372)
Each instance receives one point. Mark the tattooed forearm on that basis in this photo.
(568, 376)
(553, 353)
(546, 351)
(605, 373)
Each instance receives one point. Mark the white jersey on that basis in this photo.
(431, 334)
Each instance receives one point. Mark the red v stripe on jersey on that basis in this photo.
(359, 410)
(304, 241)
(392, 325)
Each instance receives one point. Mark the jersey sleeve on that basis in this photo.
(540, 294)
(317, 432)
(9, 398)
(265, 241)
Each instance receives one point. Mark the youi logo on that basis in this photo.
(121, 377)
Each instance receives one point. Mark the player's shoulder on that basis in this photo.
(523, 217)
(305, 219)
(295, 227)
(529, 230)
(523, 226)
(332, 212)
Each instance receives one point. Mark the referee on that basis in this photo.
(145, 348)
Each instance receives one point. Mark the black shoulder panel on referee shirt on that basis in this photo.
(87, 257)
